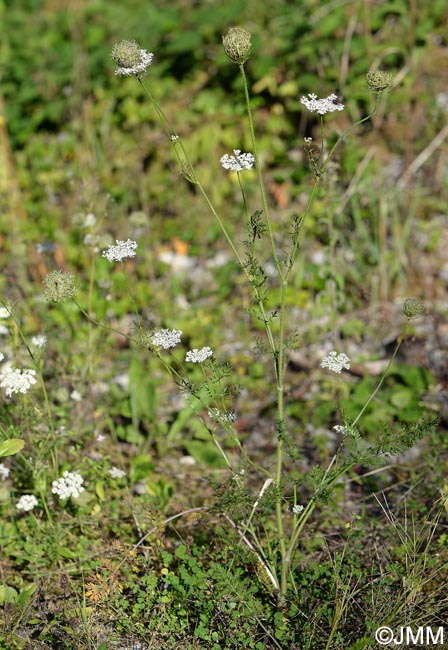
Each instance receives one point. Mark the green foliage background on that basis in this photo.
(74, 125)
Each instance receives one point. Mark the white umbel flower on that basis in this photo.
(166, 338)
(26, 502)
(346, 430)
(121, 251)
(14, 380)
(4, 471)
(321, 106)
(116, 472)
(70, 485)
(131, 59)
(336, 362)
(238, 162)
(224, 418)
(39, 341)
(140, 68)
(198, 356)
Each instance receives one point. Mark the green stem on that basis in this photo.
(246, 211)
(308, 511)
(90, 311)
(38, 368)
(383, 377)
(277, 352)
(172, 134)
(350, 128)
(281, 433)
(258, 170)
(297, 240)
(170, 130)
(317, 180)
(326, 482)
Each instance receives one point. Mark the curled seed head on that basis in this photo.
(126, 54)
(237, 44)
(379, 81)
(60, 286)
(412, 307)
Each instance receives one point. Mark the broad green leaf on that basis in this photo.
(8, 595)
(99, 489)
(11, 446)
(26, 594)
(65, 552)
(141, 467)
(205, 453)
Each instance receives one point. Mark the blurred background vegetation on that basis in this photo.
(83, 138)
(77, 140)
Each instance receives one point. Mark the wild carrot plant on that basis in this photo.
(270, 519)
(214, 392)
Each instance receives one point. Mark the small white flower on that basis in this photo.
(39, 341)
(4, 471)
(139, 68)
(89, 220)
(166, 338)
(4, 313)
(224, 418)
(121, 251)
(17, 381)
(198, 356)
(26, 502)
(336, 362)
(174, 138)
(70, 485)
(321, 106)
(297, 509)
(2, 356)
(76, 396)
(115, 472)
(238, 162)
(346, 430)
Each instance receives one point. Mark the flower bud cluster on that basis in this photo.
(379, 81)
(237, 45)
(412, 308)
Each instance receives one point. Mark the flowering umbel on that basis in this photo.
(15, 380)
(238, 162)
(379, 81)
(237, 45)
(116, 472)
(122, 251)
(321, 106)
(130, 58)
(26, 502)
(166, 338)
(198, 356)
(336, 362)
(70, 485)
